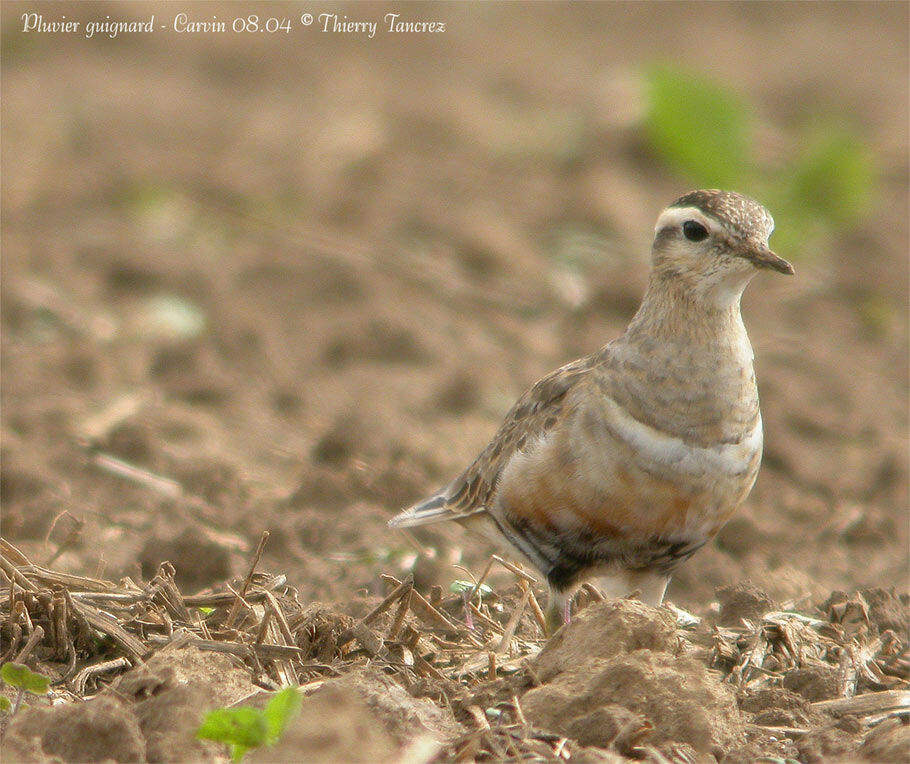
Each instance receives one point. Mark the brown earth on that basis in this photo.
(292, 283)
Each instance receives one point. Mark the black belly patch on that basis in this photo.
(565, 557)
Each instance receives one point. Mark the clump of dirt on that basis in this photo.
(102, 729)
(198, 558)
(223, 679)
(742, 601)
(169, 719)
(405, 717)
(887, 743)
(624, 655)
(150, 713)
(606, 630)
(813, 682)
(882, 609)
(675, 697)
(777, 707)
(335, 725)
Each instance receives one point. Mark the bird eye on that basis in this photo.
(694, 231)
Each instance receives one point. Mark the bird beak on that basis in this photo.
(762, 257)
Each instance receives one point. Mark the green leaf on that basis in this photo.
(19, 675)
(283, 706)
(5, 704)
(244, 726)
(699, 128)
(834, 177)
(460, 586)
(830, 185)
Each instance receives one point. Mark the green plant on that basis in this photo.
(699, 128)
(244, 727)
(24, 680)
(704, 131)
(464, 587)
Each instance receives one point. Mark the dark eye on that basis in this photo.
(694, 231)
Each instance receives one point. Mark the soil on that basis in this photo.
(291, 284)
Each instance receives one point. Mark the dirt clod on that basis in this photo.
(102, 729)
(169, 721)
(814, 682)
(605, 630)
(677, 696)
(824, 744)
(888, 743)
(887, 611)
(742, 601)
(610, 726)
(23, 750)
(778, 707)
(223, 680)
(404, 717)
(334, 725)
(198, 559)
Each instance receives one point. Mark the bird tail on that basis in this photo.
(429, 510)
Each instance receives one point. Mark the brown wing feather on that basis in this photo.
(533, 414)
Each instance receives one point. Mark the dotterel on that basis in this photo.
(618, 467)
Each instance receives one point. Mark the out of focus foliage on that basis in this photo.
(705, 131)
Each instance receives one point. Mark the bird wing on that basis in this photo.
(533, 414)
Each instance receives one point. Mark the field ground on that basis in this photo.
(291, 285)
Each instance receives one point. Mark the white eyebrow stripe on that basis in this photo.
(674, 216)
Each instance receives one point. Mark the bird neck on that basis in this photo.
(672, 312)
(687, 362)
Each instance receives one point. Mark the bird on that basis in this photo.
(618, 467)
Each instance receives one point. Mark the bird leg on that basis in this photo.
(558, 612)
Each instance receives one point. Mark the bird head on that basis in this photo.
(712, 243)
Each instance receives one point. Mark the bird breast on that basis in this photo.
(605, 472)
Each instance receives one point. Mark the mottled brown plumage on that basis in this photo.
(624, 463)
(534, 414)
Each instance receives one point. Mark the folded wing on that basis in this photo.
(538, 410)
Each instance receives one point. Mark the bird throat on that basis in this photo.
(685, 368)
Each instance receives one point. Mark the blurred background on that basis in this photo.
(292, 281)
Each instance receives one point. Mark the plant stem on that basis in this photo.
(18, 702)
